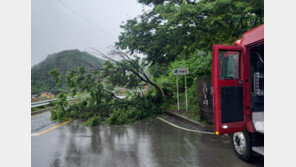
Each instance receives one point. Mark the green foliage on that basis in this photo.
(57, 75)
(180, 27)
(199, 64)
(94, 121)
(120, 74)
(101, 104)
(193, 109)
(59, 112)
(41, 80)
(119, 116)
(141, 107)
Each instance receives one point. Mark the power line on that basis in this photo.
(84, 18)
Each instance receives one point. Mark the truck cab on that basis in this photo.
(238, 92)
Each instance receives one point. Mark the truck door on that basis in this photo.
(228, 87)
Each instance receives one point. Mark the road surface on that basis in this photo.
(144, 143)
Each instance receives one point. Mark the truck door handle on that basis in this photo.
(241, 82)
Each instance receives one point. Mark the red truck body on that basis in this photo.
(232, 95)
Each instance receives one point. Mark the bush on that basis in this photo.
(143, 106)
(58, 115)
(94, 121)
(118, 117)
(59, 112)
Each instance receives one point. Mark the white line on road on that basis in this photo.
(191, 130)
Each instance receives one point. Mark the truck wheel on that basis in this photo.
(241, 144)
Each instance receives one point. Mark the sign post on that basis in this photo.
(178, 93)
(186, 94)
(181, 71)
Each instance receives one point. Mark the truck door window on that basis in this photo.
(229, 64)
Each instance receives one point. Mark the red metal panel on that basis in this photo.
(252, 36)
(217, 83)
(247, 100)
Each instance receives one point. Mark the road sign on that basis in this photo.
(181, 71)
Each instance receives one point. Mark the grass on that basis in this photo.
(192, 112)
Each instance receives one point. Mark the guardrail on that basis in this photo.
(44, 102)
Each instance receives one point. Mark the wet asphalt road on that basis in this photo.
(144, 143)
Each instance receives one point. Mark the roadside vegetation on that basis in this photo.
(102, 105)
(177, 33)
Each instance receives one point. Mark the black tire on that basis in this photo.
(238, 142)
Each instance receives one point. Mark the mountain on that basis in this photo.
(66, 60)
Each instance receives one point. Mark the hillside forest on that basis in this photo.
(64, 61)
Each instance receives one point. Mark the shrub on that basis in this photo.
(119, 116)
(96, 120)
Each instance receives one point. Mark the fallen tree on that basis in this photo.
(121, 70)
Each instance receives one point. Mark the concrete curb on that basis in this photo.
(41, 110)
(191, 121)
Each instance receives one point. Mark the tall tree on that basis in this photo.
(180, 27)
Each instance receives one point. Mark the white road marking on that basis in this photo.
(191, 130)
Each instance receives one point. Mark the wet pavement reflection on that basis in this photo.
(143, 143)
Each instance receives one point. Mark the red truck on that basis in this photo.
(238, 92)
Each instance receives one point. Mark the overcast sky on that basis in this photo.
(77, 24)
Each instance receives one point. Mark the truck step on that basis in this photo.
(258, 121)
(259, 150)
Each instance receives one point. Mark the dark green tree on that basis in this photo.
(178, 28)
